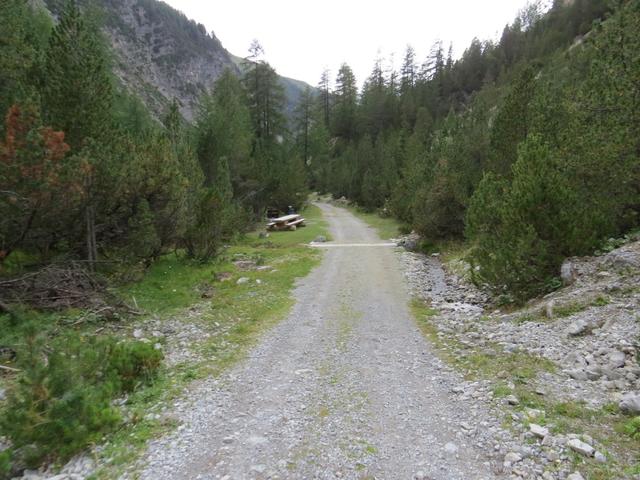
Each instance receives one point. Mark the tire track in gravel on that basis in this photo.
(344, 387)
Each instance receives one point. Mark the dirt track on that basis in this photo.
(344, 387)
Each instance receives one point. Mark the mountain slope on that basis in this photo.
(160, 54)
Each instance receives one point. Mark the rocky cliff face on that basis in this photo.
(159, 54)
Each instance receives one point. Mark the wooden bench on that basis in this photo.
(288, 222)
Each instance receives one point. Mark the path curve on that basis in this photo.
(344, 387)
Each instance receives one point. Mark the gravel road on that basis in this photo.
(345, 387)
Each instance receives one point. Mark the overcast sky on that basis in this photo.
(301, 38)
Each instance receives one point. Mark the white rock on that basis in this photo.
(549, 309)
(451, 448)
(512, 457)
(617, 359)
(578, 327)
(630, 403)
(578, 374)
(538, 430)
(600, 458)
(242, 281)
(581, 447)
(575, 476)
(512, 400)
(568, 272)
(137, 333)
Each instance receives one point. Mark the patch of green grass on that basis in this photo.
(386, 227)
(601, 301)
(606, 425)
(422, 309)
(573, 410)
(501, 390)
(568, 309)
(529, 317)
(170, 284)
(632, 428)
(521, 367)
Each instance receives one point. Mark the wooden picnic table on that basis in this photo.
(288, 222)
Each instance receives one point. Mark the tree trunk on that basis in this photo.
(92, 249)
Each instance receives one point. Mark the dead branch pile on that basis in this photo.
(59, 287)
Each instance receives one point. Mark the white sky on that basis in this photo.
(301, 37)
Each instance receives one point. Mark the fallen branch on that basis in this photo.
(9, 369)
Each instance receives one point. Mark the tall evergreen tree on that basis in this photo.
(345, 103)
(224, 132)
(304, 122)
(265, 95)
(324, 98)
(77, 97)
(512, 123)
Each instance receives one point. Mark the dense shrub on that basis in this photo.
(523, 229)
(62, 401)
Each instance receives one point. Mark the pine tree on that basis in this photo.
(224, 132)
(265, 96)
(324, 98)
(345, 103)
(40, 188)
(77, 97)
(304, 122)
(512, 123)
(16, 55)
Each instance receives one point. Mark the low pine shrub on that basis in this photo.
(63, 400)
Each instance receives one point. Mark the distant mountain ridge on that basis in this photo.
(160, 54)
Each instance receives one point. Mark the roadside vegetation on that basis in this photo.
(89, 381)
(526, 147)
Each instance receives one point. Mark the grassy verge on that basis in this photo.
(230, 317)
(489, 362)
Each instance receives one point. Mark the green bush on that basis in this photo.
(134, 363)
(522, 230)
(5, 463)
(62, 401)
(632, 428)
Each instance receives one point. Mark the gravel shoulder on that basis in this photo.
(345, 387)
